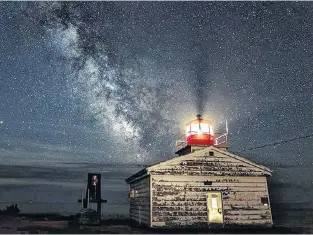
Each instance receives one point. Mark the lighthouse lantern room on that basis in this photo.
(199, 134)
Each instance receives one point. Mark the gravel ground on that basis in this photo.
(13, 225)
(9, 225)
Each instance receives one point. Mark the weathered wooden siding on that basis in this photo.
(179, 201)
(204, 164)
(139, 209)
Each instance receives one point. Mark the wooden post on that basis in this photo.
(139, 215)
(99, 206)
(88, 199)
(82, 204)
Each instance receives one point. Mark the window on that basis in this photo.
(214, 202)
(132, 194)
(205, 128)
(198, 128)
(264, 201)
(211, 153)
(194, 128)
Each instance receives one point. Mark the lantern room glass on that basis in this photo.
(198, 128)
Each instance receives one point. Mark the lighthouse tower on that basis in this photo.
(198, 135)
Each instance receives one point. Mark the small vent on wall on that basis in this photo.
(207, 182)
(264, 201)
(211, 153)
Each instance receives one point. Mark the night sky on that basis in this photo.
(114, 82)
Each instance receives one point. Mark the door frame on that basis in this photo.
(221, 195)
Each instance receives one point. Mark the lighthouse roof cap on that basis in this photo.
(195, 121)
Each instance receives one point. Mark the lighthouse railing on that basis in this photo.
(181, 142)
(221, 139)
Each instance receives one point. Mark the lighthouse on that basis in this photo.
(224, 190)
(199, 134)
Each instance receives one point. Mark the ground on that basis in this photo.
(45, 224)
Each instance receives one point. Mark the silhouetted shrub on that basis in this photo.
(10, 210)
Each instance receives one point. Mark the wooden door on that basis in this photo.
(215, 208)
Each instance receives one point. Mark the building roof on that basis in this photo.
(146, 171)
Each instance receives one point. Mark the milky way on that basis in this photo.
(116, 81)
(130, 106)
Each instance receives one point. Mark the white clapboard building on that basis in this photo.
(206, 186)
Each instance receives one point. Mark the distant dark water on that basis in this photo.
(56, 189)
(291, 195)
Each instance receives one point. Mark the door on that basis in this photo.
(215, 208)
